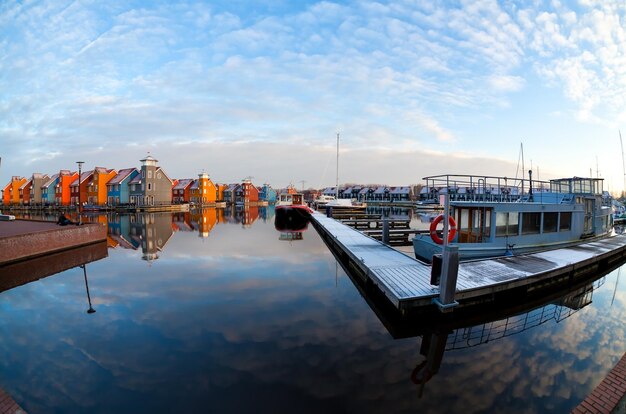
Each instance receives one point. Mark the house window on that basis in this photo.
(159, 176)
(143, 173)
(149, 186)
(149, 173)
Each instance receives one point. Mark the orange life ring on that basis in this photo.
(451, 229)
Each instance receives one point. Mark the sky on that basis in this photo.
(261, 89)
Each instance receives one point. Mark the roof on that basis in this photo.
(52, 179)
(122, 175)
(29, 182)
(182, 183)
(194, 184)
(136, 180)
(401, 190)
(85, 175)
(381, 190)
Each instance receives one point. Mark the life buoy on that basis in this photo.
(451, 229)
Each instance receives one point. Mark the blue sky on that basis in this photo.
(239, 88)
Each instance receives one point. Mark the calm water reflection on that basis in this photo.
(218, 312)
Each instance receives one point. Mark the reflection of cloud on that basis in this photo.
(231, 321)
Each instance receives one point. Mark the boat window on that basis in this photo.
(550, 222)
(473, 224)
(531, 223)
(566, 221)
(507, 224)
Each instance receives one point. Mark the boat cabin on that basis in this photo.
(547, 215)
(290, 199)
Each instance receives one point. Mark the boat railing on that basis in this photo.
(480, 188)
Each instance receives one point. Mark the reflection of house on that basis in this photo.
(97, 188)
(37, 181)
(117, 187)
(205, 219)
(151, 187)
(181, 192)
(78, 188)
(119, 230)
(182, 221)
(153, 231)
(250, 215)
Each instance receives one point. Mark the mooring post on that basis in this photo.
(449, 266)
(385, 237)
(329, 211)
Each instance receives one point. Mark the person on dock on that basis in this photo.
(64, 221)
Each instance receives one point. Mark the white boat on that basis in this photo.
(487, 220)
(321, 200)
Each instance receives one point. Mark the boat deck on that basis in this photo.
(406, 281)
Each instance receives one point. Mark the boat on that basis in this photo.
(291, 212)
(491, 218)
(321, 200)
(345, 204)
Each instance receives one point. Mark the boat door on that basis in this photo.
(589, 204)
(473, 224)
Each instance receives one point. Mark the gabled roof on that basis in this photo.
(364, 190)
(381, 190)
(136, 180)
(83, 176)
(401, 190)
(29, 182)
(122, 175)
(159, 169)
(51, 181)
(194, 185)
(183, 183)
(103, 170)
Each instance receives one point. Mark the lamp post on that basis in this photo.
(80, 165)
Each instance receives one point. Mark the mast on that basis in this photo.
(337, 176)
(623, 165)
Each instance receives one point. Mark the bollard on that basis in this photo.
(385, 238)
(329, 211)
(449, 274)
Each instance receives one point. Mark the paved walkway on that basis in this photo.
(610, 396)
(8, 405)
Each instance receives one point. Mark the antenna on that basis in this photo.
(302, 181)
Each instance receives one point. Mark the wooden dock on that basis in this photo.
(406, 281)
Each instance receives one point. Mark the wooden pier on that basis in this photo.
(406, 281)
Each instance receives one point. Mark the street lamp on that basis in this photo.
(80, 165)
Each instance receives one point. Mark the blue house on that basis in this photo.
(48, 190)
(267, 193)
(117, 187)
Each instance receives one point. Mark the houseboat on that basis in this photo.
(291, 212)
(489, 218)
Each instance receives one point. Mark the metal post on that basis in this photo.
(80, 164)
(449, 269)
(385, 237)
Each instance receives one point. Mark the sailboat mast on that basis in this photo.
(623, 165)
(337, 176)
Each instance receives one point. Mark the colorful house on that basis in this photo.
(203, 191)
(25, 192)
(62, 191)
(151, 186)
(37, 180)
(267, 193)
(246, 193)
(229, 193)
(11, 193)
(117, 188)
(181, 192)
(220, 188)
(97, 187)
(78, 188)
(47, 190)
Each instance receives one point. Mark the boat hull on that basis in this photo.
(292, 218)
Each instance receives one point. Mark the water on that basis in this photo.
(215, 313)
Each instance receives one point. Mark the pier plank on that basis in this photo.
(406, 281)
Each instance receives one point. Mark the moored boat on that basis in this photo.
(492, 218)
(291, 212)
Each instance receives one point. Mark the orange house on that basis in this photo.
(97, 187)
(220, 191)
(62, 188)
(203, 191)
(11, 194)
(78, 188)
(25, 191)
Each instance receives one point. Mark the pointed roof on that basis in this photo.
(183, 183)
(51, 181)
(122, 175)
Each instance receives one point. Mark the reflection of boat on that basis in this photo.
(345, 204)
(427, 217)
(493, 218)
(290, 235)
(291, 212)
